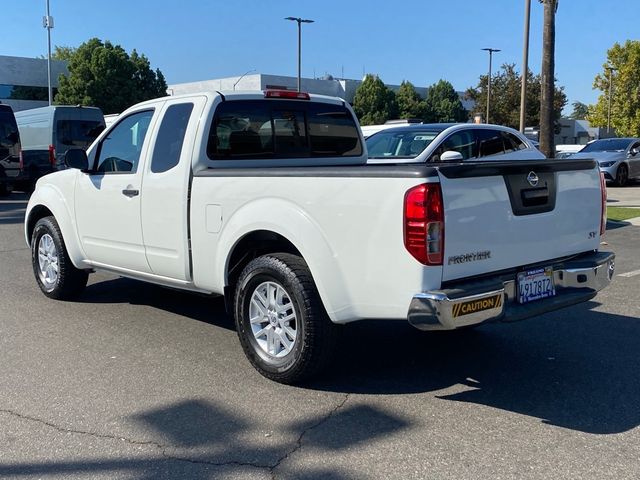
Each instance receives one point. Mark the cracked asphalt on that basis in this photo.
(134, 381)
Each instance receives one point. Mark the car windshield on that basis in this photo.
(608, 145)
(399, 143)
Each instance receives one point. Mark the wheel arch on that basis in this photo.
(245, 237)
(47, 201)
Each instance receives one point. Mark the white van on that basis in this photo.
(48, 132)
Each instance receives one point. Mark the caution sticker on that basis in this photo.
(473, 306)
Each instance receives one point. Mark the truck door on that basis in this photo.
(107, 202)
(165, 188)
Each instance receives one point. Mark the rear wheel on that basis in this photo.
(282, 325)
(57, 277)
(622, 175)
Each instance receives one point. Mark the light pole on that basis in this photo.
(242, 76)
(491, 51)
(610, 69)
(47, 22)
(300, 22)
(525, 66)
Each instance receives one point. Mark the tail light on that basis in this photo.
(21, 160)
(603, 195)
(424, 223)
(286, 94)
(52, 155)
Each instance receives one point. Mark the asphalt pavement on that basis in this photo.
(134, 381)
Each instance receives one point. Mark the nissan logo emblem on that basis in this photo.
(532, 178)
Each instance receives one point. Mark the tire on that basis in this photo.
(622, 175)
(272, 288)
(56, 275)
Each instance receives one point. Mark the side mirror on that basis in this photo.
(451, 156)
(76, 158)
(633, 152)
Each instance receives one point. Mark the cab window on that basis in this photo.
(120, 150)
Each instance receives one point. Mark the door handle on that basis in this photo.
(130, 192)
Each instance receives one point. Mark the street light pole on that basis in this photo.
(525, 66)
(47, 22)
(491, 51)
(610, 70)
(300, 21)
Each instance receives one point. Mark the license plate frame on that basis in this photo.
(534, 285)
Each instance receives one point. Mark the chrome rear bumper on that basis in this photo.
(494, 299)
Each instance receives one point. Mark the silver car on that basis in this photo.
(449, 142)
(619, 158)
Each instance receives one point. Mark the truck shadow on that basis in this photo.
(575, 368)
(208, 309)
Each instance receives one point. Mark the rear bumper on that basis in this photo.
(494, 299)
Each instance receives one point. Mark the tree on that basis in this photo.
(410, 104)
(443, 104)
(547, 85)
(623, 68)
(104, 75)
(374, 103)
(580, 111)
(505, 97)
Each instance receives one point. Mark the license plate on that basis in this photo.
(535, 285)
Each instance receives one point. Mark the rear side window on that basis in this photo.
(512, 143)
(267, 129)
(490, 142)
(166, 152)
(77, 133)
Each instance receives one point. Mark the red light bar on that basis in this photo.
(286, 94)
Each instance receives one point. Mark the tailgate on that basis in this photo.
(501, 215)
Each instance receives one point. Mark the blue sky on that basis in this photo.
(416, 40)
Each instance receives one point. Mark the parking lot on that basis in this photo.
(137, 381)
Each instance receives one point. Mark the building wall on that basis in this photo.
(28, 72)
(342, 88)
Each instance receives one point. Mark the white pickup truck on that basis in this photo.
(266, 198)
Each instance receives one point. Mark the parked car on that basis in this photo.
(619, 158)
(437, 142)
(368, 130)
(9, 150)
(566, 150)
(266, 198)
(48, 132)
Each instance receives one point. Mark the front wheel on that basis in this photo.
(622, 175)
(57, 277)
(282, 325)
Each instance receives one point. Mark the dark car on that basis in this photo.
(9, 150)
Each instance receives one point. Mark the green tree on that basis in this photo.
(580, 111)
(443, 104)
(505, 97)
(374, 103)
(623, 64)
(410, 104)
(104, 75)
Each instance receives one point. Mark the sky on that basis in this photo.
(421, 41)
